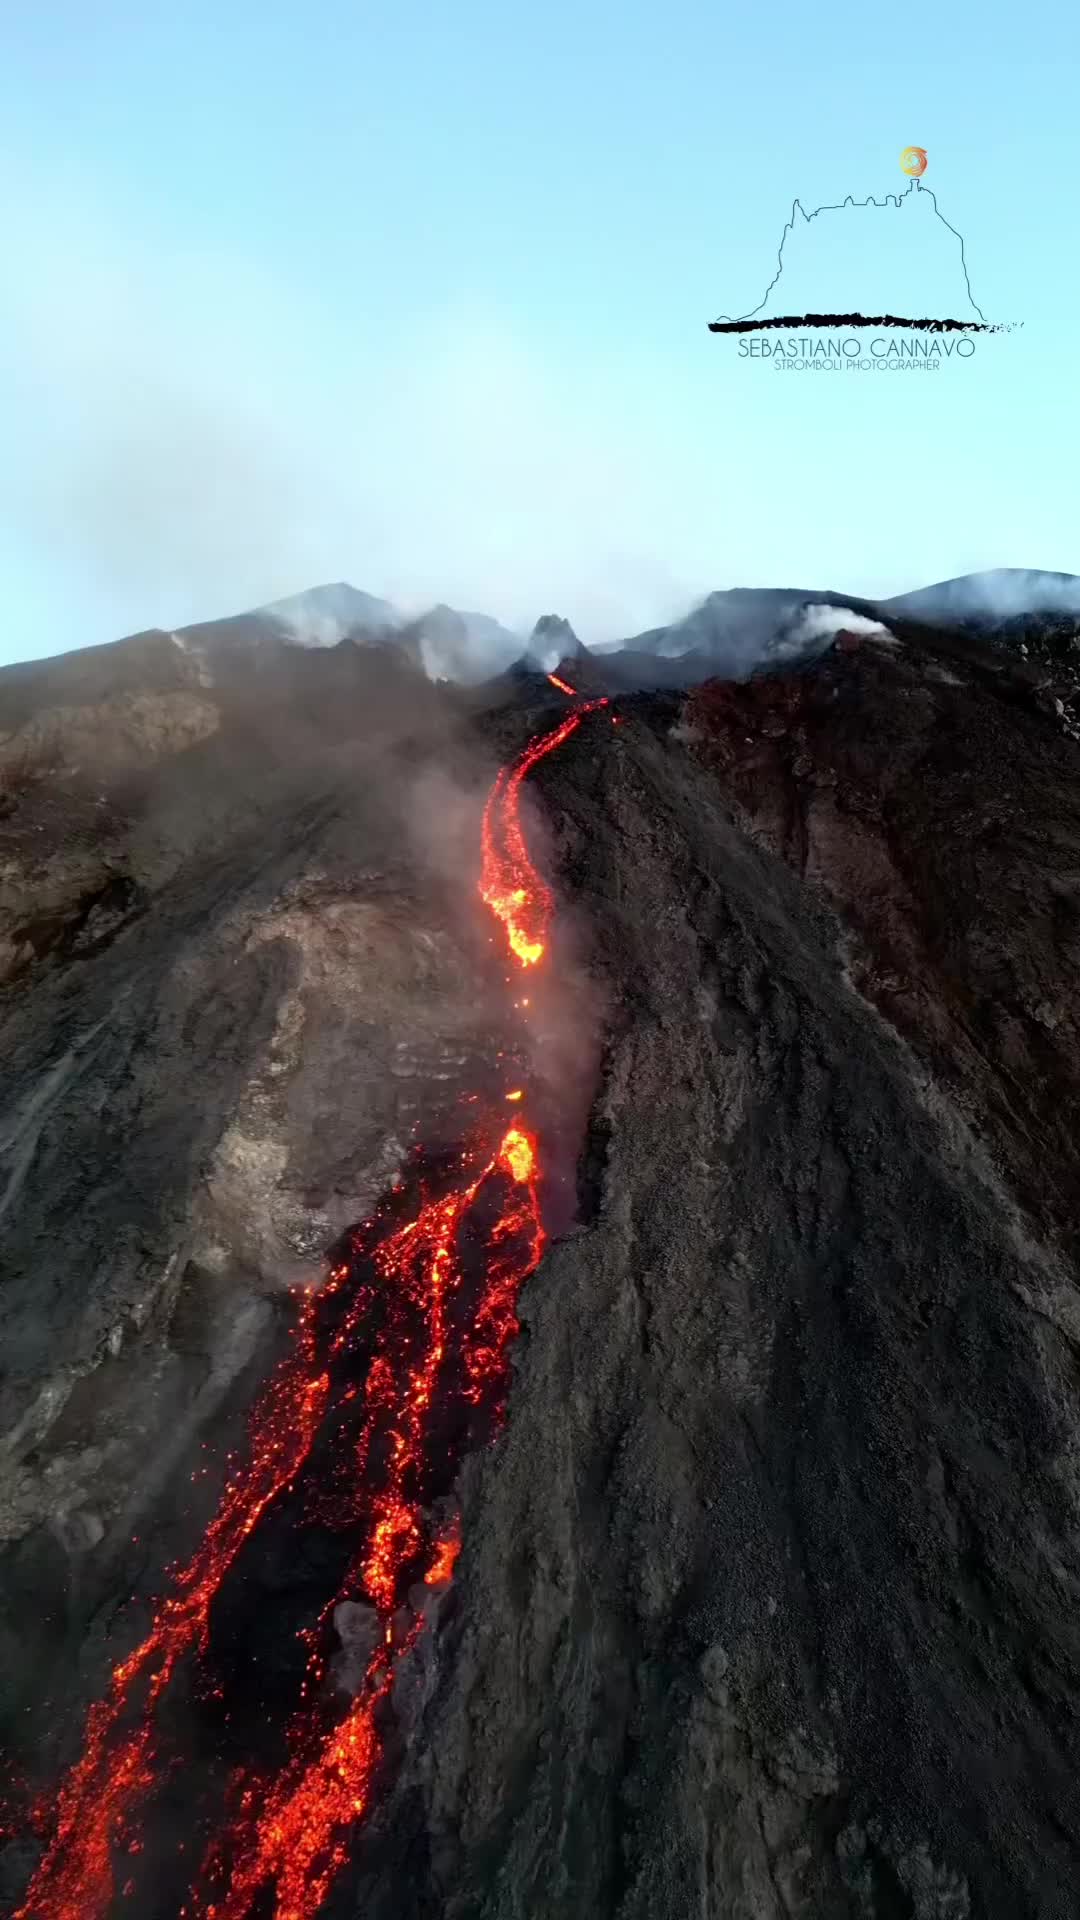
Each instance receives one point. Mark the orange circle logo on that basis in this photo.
(913, 160)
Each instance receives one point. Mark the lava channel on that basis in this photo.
(294, 1832)
(92, 1814)
(510, 884)
(446, 1286)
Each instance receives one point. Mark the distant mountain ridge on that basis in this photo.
(449, 643)
(731, 633)
(997, 593)
(733, 630)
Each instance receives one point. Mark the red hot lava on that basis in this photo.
(290, 1834)
(295, 1835)
(94, 1808)
(510, 883)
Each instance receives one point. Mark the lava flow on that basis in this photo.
(94, 1807)
(435, 1302)
(295, 1833)
(510, 884)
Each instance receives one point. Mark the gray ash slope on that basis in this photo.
(768, 1598)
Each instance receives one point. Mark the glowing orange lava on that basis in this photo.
(446, 1286)
(299, 1838)
(562, 685)
(295, 1837)
(94, 1807)
(442, 1567)
(509, 883)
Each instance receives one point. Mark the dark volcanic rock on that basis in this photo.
(768, 1599)
(237, 982)
(933, 799)
(147, 662)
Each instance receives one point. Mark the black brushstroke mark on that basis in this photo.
(890, 200)
(856, 320)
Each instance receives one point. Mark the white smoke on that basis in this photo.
(322, 616)
(823, 623)
(742, 631)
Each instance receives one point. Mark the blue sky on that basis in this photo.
(417, 297)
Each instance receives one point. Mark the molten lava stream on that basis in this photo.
(295, 1833)
(94, 1808)
(440, 1362)
(509, 883)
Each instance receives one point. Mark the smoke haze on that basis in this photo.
(181, 449)
(191, 433)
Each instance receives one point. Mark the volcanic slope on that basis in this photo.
(766, 1597)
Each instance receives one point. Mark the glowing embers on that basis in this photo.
(452, 1278)
(509, 883)
(447, 1283)
(518, 1155)
(446, 1553)
(294, 1834)
(431, 1308)
(422, 1264)
(95, 1806)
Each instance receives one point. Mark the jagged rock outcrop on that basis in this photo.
(553, 640)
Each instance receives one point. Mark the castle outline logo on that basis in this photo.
(913, 162)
